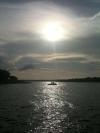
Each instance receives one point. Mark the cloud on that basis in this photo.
(95, 1)
(5, 63)
(95, 16)
(25, 63)
(19, 21)
(73, 63)
(88, 47)
(81, 7)
(27, 67)
(16, 1)
(2, 42)
(22, 48)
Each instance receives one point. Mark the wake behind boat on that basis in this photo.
(52, 83)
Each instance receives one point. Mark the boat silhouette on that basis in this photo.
(52, 83)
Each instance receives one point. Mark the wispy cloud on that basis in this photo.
(23, 49)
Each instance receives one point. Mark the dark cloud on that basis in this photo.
(26, 63)
(4, 63)
(23, 47)
(27, 67)
(72, 64)
(19, 52)
(85, 7)
(16, 1)
(89, 46)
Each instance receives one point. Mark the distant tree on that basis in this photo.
(13, 78)
(5, 76)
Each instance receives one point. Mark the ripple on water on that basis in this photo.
(50, 109)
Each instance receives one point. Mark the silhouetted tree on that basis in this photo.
(13, 78)
(5, 76)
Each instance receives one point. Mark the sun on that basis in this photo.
(53, 32)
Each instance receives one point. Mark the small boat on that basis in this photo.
(52, 83)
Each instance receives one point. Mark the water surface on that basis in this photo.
(41, 108)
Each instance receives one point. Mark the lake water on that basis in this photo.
(41, 108)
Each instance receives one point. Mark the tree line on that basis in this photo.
(5, 76)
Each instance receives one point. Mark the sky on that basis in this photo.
(26, 51)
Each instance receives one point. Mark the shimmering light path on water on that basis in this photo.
(42, 108)
(51, 106)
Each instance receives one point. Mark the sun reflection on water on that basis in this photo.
(49, 107)
(52, 106)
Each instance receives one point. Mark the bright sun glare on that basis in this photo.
(53, 32)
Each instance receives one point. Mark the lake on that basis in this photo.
(41, 108)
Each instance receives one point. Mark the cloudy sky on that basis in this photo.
(26, 50)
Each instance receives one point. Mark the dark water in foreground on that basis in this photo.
(42, 108)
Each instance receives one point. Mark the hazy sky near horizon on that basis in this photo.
(28, 55)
